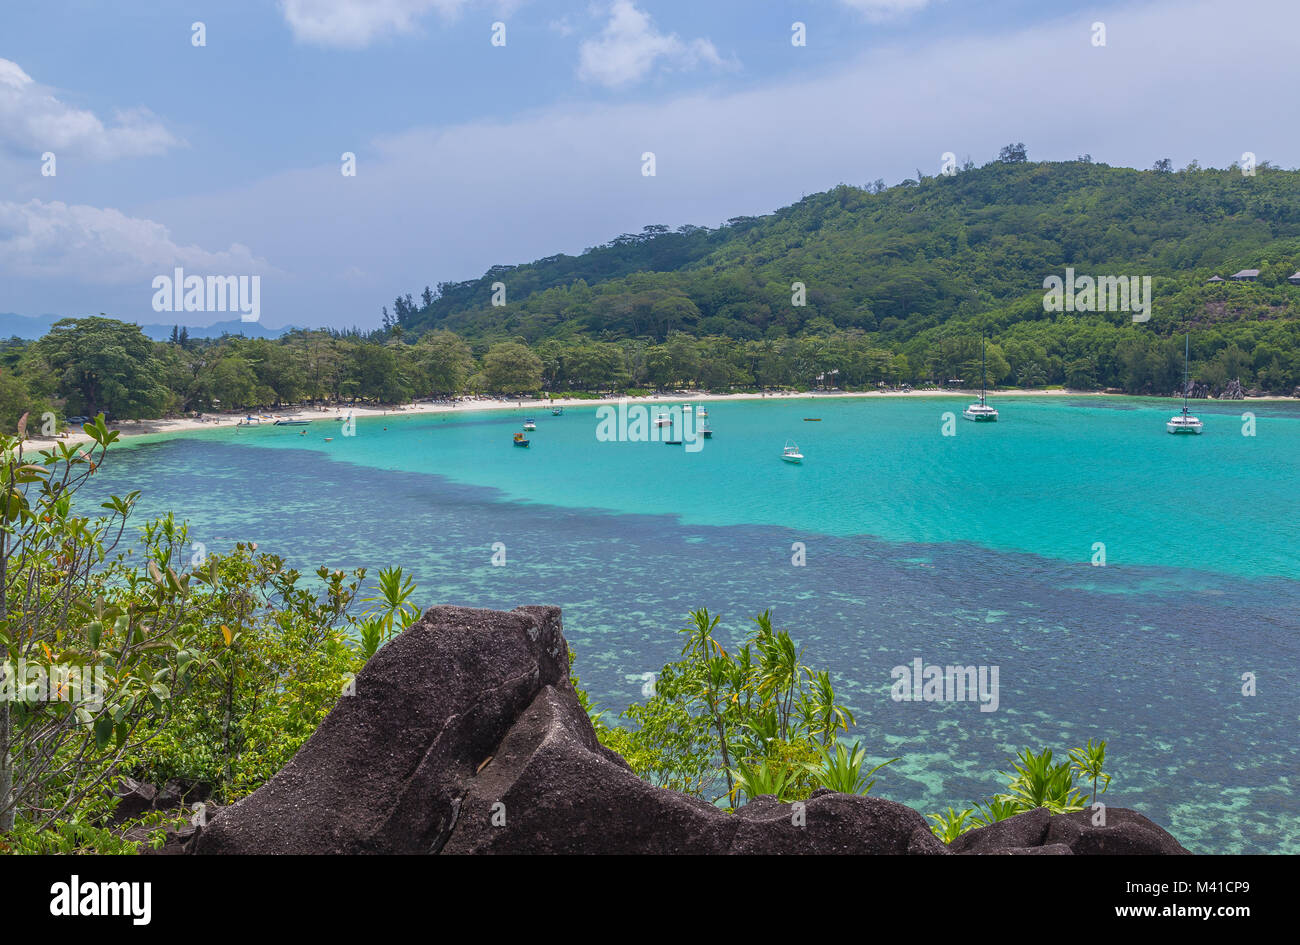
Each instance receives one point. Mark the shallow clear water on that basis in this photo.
(968, 549)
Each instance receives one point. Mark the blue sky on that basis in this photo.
(225, 158)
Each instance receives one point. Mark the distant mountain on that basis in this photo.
(34, 326)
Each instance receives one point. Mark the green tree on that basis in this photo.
(444, 361)
(104, 365)
(510, 368)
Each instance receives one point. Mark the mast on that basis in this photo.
(983, 373)
(1187, 349)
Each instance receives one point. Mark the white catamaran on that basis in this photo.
(981, 412)
(1184, 422)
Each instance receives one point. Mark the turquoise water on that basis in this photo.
(976, 548)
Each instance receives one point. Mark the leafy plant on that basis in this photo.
(393, 610)
(841, 770)
(950, 824)
(752, 778)
(722, 722)
(1037, 782)
(995, 809)
(1090, 762)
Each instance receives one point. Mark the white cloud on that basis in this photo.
(33, 119)
(357, 23)
(97, 246)
(445, 203)
(629, 47)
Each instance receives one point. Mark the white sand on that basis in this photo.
(129, 428)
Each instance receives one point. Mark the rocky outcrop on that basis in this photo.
(1233, 391)
(136, 798)
(465, 736)
(1038, 832)
(1196, 390)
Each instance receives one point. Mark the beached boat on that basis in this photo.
(981, 412)
(1184, 422)
(791, 452)
(521, 440)
(291, 422)
(530, 423)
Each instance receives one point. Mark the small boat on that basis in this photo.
(981, 412)
(557, 411)
(812, 419)
(663, 420)
(249, 422)
(702, 418)
(791, 452)
(291, 422)
(1184, 422)
(530, 423)
(521, 440)
(672, 442)
(329, 439)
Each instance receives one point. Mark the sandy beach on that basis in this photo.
(181, 425)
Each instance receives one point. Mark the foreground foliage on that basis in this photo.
(1034, 781)
(153, 658)
(729, 727)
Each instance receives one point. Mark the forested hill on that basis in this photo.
(968, 251)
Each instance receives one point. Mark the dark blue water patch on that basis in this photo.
(1129, 654)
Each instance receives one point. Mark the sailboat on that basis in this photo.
(981, 412)
(1184, 422)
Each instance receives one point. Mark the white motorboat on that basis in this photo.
(791, 452)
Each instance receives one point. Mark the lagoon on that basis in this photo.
(975, 549)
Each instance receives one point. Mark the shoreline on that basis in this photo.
(182, 425)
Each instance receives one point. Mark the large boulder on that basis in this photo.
(388, 769)
(464, 735)
(1124, 831)
(552, 788)
(1023, 830)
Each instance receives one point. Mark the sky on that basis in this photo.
(209, 134)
